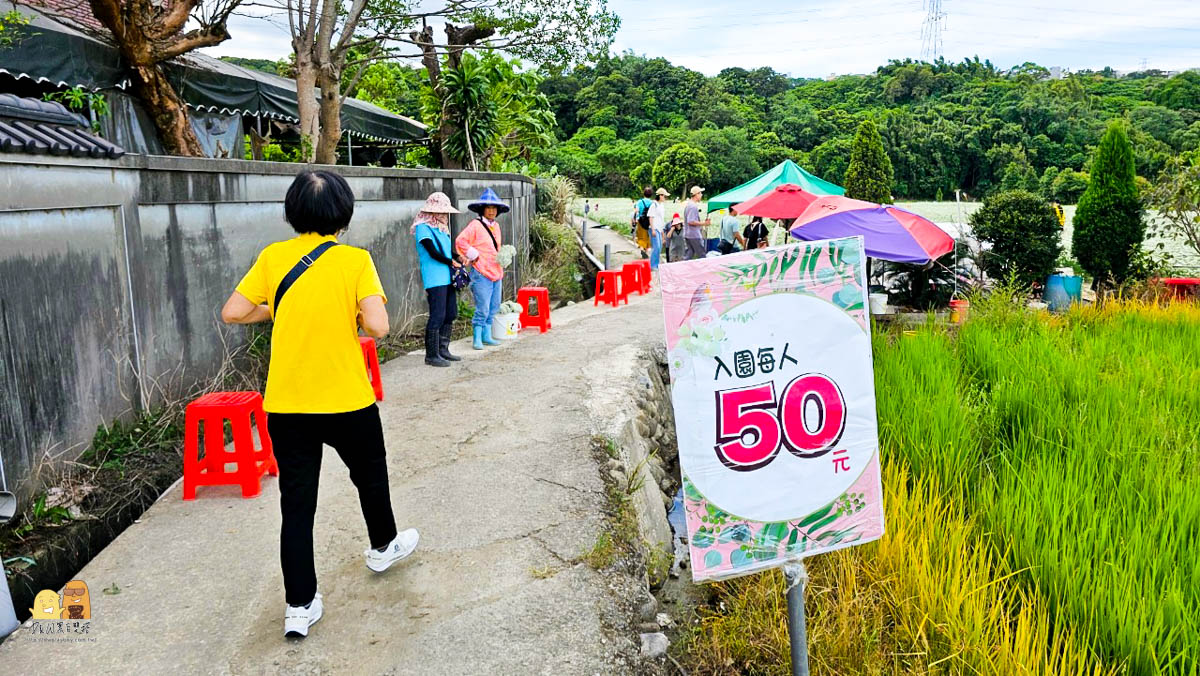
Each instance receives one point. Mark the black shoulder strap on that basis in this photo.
(488, 230)
(298, 269)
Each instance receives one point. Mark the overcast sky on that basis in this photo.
(814, 38)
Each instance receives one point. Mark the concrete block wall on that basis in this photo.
(113, 273)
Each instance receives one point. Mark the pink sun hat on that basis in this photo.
(439, 203)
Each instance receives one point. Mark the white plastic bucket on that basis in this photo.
(506, 326)
(878, 303)
(8, 616)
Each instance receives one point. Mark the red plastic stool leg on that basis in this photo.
(267, 451)
(191, 454)
(249, 472)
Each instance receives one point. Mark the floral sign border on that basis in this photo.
(723, 545)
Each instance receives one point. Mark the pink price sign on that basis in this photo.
(774, 395)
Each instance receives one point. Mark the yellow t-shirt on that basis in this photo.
(316, 362)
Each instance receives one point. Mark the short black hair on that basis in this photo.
(319, 201)
(647, 192)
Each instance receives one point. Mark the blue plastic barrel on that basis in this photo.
(1061, 291)
(1074, 286)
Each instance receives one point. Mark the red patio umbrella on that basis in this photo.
(785, 201)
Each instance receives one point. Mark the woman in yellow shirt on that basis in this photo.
(318, 292)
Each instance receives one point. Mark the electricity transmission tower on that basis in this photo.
(931, 30)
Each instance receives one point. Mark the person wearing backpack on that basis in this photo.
(479, 243)
(319, 292)
(641, 212)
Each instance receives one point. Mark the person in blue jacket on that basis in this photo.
(431, 230)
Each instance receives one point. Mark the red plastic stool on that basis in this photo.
(214, 409)
(609, 289)
(647, 274)
(631, 279)
(371, 357)
(541, 296)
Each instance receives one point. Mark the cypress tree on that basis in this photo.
(869, 176)
(1108, 221)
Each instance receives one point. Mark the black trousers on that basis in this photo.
(443, 306)
(297, 438)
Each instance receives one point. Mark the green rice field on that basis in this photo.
(1042, 480)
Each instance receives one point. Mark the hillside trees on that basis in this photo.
(944, 125)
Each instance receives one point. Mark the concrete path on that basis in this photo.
(490, 459)
(621, 249)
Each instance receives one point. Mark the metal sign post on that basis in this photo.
(795, 576)
(607, 255)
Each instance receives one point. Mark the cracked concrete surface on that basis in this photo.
(490, 459)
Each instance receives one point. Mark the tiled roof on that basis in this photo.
(48, 128)
(77, 11)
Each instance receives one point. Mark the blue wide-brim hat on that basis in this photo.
(488, 199)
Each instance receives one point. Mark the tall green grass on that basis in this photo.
(1076, 442)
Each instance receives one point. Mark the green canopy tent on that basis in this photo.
(786, 171)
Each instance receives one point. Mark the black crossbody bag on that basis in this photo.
(306, 261)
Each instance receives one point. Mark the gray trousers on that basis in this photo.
(695, 248)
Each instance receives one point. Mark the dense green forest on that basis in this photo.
(965, 125)
(970, 125)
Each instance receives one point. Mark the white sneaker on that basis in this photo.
(297, 619)
(397, 549)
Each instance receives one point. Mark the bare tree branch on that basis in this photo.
(172, 21)
(204, 37)
(352, 19)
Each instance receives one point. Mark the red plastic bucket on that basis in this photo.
(958, 310)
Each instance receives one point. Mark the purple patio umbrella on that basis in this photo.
(889, 233)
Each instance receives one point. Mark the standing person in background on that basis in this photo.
(317, 389)
(586, 209)
(676, 246)
(657, 222)
(755, 234)
(729, 232)
(641, 219)
(479, 243)
(693, 227)
(431, 230)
